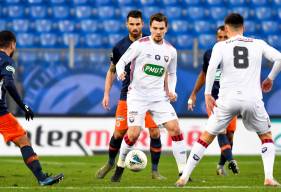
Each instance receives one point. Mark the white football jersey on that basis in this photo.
(149, 63)
(240, 58)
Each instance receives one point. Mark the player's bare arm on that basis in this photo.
(198, 85)
(110, 76)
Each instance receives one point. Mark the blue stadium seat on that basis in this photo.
(171, 38)
(35, 1)
(43, 25)
(259, 2)
(215, 2)
(180, 26)
(51, 57)
(195, 12)
(3, 24)
(98, 59)
(270, 27)
(206, 41)
(80, 2)
(38, 11)
(204, 26)
(66, 26)
(192, 2)
(20, 25)
(106, 12)
(244, 11)
(89, 25)
(104, 2)
(48, 40)
(147, 11)
(112, 25)
(237, 3)
(26, 40)
(184, 42)
(218, 13)
(12, 1)
(60, 12)
(15, 11)
(171, 2)
(173, 12)
(58, 1)
(70, 36)
(83, 12)
(186, 59)
(275, 41)
(125, 11)
(126, 2)
(28, 57)
(148, 2)
(279, 12)
(94, 40)
(276, 3)
(250, 27)
(113, 39)
(263, 13)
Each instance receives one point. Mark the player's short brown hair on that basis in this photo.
(6, 38)
(135, 14)
(235, 20)
(158, 17)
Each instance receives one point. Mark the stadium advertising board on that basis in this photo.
(85, 136)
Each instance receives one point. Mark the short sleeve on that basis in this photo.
(206, 60)
(8, 69)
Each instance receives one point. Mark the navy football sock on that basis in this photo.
(155, 151)
(114, 147)
(31, 160)
(225, 146)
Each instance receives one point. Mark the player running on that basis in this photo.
(9, 126)
(225, 139)
(151, 58)
(240, 93)
(134, 25)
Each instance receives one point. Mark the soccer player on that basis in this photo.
(9, 126)
(240, 93)
(225, 139)
(134, 25)
(152, 58)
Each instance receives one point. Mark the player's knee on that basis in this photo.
(22, 141)
(265, 136)
(119, 134)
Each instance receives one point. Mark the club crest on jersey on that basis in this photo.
(166, 58)
(157, 57)
(264, 149)
(196, 157)
(10, 68)
(154, 70)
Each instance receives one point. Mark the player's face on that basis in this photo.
(221, 35)
(13, 49)
(135, 26)
(158, 30)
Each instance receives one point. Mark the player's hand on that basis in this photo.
(172, 96)
(28, 113)
(210, 103)
(191, 102)
(105, 102)
(122, 76)
(267, 85)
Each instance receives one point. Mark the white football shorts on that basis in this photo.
(161, 111)
(254, 115)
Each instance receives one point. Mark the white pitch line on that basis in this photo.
(144, 187)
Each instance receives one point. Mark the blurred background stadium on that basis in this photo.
(64, 46)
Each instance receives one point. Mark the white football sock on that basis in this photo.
(124, 150)
(179, 152)
(197, 152)
(268, 155)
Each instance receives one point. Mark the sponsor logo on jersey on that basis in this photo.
(166, 58)
(154, 70)
(218, 75)
(10, 68)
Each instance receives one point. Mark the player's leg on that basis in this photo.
(268, 156)
(116, 139)
(155, 146)
(226, 149)
(217, 122)
(12, 131)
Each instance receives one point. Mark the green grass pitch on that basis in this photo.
(80, 175)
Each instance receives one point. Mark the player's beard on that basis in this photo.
(158, 39)
(136, 34)
(12, 54)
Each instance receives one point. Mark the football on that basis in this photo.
(136, 160)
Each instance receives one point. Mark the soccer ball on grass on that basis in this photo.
(136, 160)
